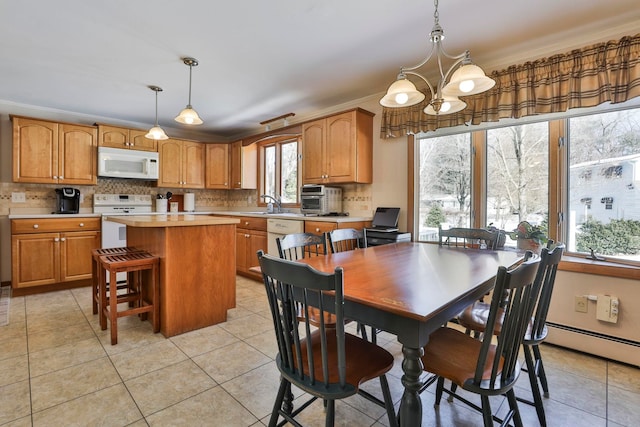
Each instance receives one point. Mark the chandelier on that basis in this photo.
(156, 131)
(463, 78)
(188, 115)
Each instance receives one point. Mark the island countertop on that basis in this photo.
(183, 220)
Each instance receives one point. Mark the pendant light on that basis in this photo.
(462, 79)
(156, 132)
(189, 116)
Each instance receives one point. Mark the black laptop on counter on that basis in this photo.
(385, 220)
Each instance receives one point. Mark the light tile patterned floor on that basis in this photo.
(57, 368)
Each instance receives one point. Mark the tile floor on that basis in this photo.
(57, 368)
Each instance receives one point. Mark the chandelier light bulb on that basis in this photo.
(402, 98)
(446, 106)
(466, 86)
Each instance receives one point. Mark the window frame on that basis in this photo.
(278, 142)
(558, 200)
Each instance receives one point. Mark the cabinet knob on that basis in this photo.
(56, 239)
(55, 177)
(36, 226)
(317, 230)
(61, 177)
(63, 239)
(82, 224)
(246, 223)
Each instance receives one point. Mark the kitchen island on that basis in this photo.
(197, 266)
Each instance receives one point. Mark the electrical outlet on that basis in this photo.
(18, 198)
(580, 304)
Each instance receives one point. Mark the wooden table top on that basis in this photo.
(171, 220)
(414, 280)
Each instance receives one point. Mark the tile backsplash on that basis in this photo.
(356, 197)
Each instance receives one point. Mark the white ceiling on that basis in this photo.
(263, 58)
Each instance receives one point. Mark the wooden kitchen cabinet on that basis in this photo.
(48, 152)
(52, 251)
(182, 164)
(128, 139)
(217, 166)
(338, 149)
(251, 236)
(244, 166)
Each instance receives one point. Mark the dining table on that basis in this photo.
(410, 290)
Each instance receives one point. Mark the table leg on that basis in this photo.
(410, 412)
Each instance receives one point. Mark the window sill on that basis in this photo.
(601, 268)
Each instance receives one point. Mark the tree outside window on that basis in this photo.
(279, 171)
(444, 187)
(518, 176)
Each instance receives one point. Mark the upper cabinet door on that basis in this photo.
(244, 166)
(139, 142)
(129, 139)
(193, 160)
(170, 157)
(313, 152)
(113, 136)
(340, 148)
(35, 151)
(77, 154)
(217, 166)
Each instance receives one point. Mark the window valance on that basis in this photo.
(605, 72)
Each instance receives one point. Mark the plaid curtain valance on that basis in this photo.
(605, 72)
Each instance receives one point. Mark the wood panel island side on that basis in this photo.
(197, 266)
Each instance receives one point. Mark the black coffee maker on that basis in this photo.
(68, 200)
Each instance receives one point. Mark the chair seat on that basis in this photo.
(474, 317)
(448, 354)
(364, 360)
(315, 316)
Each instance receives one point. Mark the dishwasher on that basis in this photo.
(277, 227)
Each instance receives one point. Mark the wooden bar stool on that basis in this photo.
(144, 300)
(95, 254)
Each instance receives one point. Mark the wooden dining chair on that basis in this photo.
(478, 238)
(483, 367)
(346, 239)
(474, 319)
(326, 363)
(302, 245)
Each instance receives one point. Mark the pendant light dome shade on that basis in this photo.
(402, 93)
(448, 105)
(467, 80)
(156, 132)
(188, 115)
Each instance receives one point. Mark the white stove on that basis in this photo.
(114, 235)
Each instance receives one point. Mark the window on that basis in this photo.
(279, 170)
(576, 177)
(518, 176)
(444, 184)
(609, 144)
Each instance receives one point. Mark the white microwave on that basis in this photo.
(121, 163)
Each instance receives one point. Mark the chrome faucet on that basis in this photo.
(276, 200)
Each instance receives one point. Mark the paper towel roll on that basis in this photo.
(189, 202)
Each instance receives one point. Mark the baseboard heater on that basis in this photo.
(603, 345)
